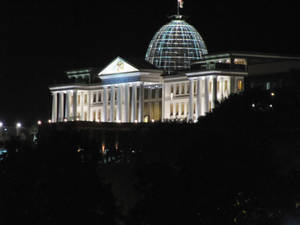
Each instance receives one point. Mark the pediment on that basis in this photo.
(117, 66)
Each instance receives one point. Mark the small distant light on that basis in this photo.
(65, 120)
(271, 106)
(118, 121)
(19, 125)
(1, 124)
(49, 121)
(172, 96)
(39, 122)
(135, 121)
(77, 119)
(78, 150)
(253, 105)
(152, 120)
(272, 94)
(5, 129)
(195, 121)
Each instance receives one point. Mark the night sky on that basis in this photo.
(39, 41)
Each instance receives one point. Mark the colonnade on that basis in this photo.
(119, 104)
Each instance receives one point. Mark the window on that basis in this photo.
(99, 115)
(85, 99)
(240, 85)
(78, 99)
(177, 109)
(218, 86)
(172, 89)
(145, 93)
(171, 109)
(94, 115)
(160, 93)
(194, 108)
(182, 88)
(195, 87)
(177, 89)
(116, 95)
(268, 86)
(225, 85)
(209, 106)
(210, 87)
(99, 96)
(182, 108)
(109, 96)
(188, 89)
(85, 116)
(94, 97)
(153, 93)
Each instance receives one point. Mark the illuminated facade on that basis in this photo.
(178, 81)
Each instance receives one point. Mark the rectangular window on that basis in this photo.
(99, 115)
(188, 89)
(171, 109)
(78, 99)
(182, 88)
(109, 96)
(225, 85)
(240, 85)
(195, 87)
(194, 108)
(210, 87)
(94, 115)
(218, 86)
(153, 93)
(94, 97)
(116, 95)
(85, 99)
(145, 93)
(182, 108)
(209, 106)
(85, 116)
(177, 109)
(99, 96)
(177, 89)
(172, 89)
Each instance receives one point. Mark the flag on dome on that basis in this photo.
(180, 2)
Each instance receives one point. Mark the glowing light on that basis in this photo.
(152, 120)
(18, 125)
(135, 121)
(65, 120)
(272, 94)
(1, 124)
(49, 121)
(253, 105)
(271, 106)
(39, 122)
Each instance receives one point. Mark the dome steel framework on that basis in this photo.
(175, 45)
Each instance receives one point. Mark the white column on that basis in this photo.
(105, 104)
(141, 103)
(119, 111)
(126, 89)
(61, 107)
(54, 107)
(112, 103)
(67, 105)
(191, 99)
(198, 111)
(206, 95)
(133, 103)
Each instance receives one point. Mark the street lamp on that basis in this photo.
(18, 126)
(39, 122)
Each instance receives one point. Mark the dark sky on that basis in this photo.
(38, 40)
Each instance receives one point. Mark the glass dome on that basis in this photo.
(175, 45)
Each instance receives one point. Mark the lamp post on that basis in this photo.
(18, 127)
